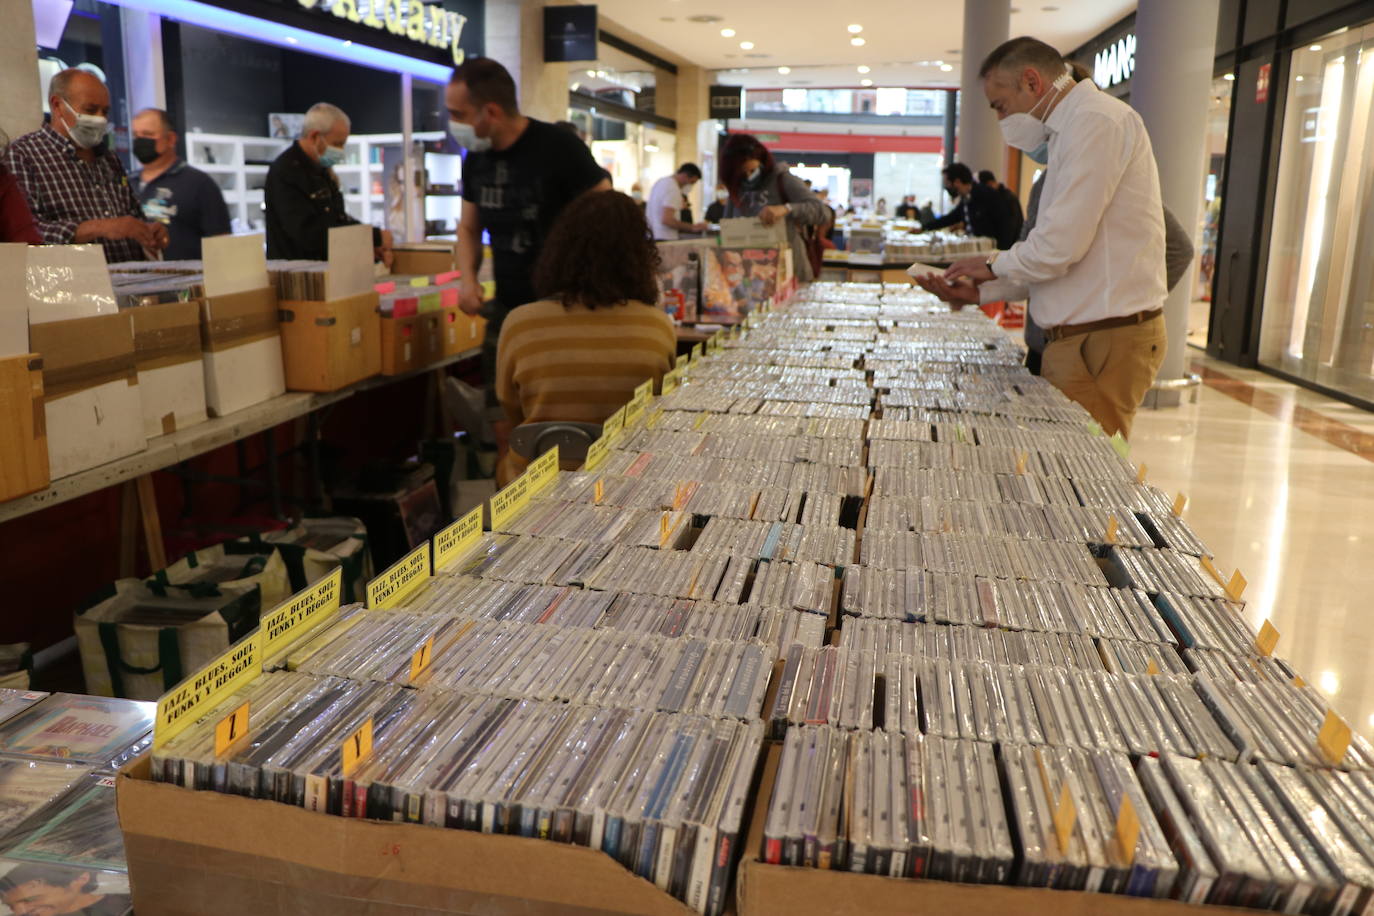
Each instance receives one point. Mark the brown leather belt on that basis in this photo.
(1106, 324)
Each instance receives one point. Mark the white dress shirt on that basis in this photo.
(1097, 249)
(665, 194)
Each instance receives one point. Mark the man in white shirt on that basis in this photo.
(667, 199)
(1093, 267)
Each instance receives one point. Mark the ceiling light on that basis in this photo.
(855, 29)
(1300, 79)
(1229, 76)
(857, 42)
(784, 70)
(946, 68)
(727, 33)
(1329, 683)
(651, 147)
(1049, 9)
(864, 68)
(705, 17)
(865, 82)
(1314, 47)
(292, 40)
(746, 46)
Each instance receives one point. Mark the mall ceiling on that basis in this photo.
(903, 43)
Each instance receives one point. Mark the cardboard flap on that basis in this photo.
(14, 314)
(234, 264)
(84, 352)
(350, 262)
(68, 281)
(167, 334)
(240, 318)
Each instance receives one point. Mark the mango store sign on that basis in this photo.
(1115, 63)
(423, 23)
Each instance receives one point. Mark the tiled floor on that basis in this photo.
(1280, 484)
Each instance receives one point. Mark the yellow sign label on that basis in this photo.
(542, 472)
(1298, 681)
(600, 491)
(681, 362)
(1111, 529)
(422, 659)
(421, 281)
(1334, 738)
(1021, 460)
(1236, 587)
(1211, 568)
(1065, 817)
(633, 411)
(1180, 503)
(1152, 667)
(357, 747)
(643, 393)
(671, 380)
(231, 729)
(1268, 638)
(457, 539)
(681, 494)
(1123, 448)
(698, 351)
(701, 420)
(614, 426)
(1127, 829)
(391, 587)
(1140, 473)
(597, 452)
(301, 613)
(201, 692)
(664, 528)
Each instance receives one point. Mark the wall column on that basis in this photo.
(987, 23)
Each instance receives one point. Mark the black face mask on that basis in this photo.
(145, 149)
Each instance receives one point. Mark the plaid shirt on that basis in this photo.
(64, 190)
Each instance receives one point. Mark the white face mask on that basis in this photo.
(1024, 130)
(754, 173)
(465, 135)
(88, 131)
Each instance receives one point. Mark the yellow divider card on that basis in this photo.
(613, 427)
(357, 747)
(301, 613)
(1127, 829)
(682, 361)
(408, 574)
(199, 693)
(457, 539)
(597, 453)
(542, 472)
(1334, 738)
(671, 380)
(511, 501)
(1268, 638)
(422, 659)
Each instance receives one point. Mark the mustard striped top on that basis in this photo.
(579, 364)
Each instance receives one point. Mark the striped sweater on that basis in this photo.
(579, 364)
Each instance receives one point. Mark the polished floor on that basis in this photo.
(1280, 485)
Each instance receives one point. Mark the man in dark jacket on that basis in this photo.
(1008, 197)
(302, 193)
(980, 209)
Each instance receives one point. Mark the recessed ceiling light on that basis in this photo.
(705, 17)
(865, 82)
(1300, 79)
(864, 68)
(667, 19)
(1314, 47)
(727, 33)
(746, 46)
(1049, 9)
(759, 55)
(1229, 76)
(857, 42)
(855, 29)
(946, 68)
(784, 70)
(953, 52)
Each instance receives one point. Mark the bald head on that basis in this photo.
(81, 90)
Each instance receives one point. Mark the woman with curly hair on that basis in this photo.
(596, 333)
(760, 187)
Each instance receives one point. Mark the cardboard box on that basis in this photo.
(241, 346)
(171, 378)
(329, 345)
(431, 329)
(400, 344)
(462, 332)
(23, 427)
(209, 854)
(781, 889)
(750, 232)
(91, 397)
(421, 259)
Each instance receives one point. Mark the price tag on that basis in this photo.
(1127, 829)
(1021, 460)
(1334, 738)
(664, 528)
(600, 490)
(231, 729)
(1140, 473)
(421, 660)
(1268, 638)
(1180, 503)
(357, 747)
(1298, 682)
(1111, 529)
(1065, 817)
(1236, 586)
(1151, 667)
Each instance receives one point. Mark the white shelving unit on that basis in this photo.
(226, 158)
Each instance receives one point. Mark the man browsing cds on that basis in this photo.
(1093, 266)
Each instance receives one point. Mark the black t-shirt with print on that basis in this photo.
(520, 191)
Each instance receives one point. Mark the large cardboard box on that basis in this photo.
(401, 348)
(329, 345)
(462, 332)
(424, 258)
(171, 378)
(23, 428)
(239, 335)
(432, 331)
(206, 854)
(91, 398)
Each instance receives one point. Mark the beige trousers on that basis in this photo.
(1108, 372)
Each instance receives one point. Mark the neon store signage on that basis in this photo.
(1115, 63)
(422, 23)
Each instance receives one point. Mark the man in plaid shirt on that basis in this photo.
(75, 184)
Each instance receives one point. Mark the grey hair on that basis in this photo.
(61, 85)
(162, 116)
(322, 117)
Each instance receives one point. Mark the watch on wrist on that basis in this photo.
(992, 258)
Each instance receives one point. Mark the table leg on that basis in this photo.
(152, 525)
(128, 529)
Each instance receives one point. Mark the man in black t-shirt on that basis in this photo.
(185, 200)
(980, 209)
(1010, 201)
(518, 176)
